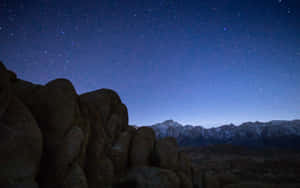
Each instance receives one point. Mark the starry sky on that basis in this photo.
(201, 62)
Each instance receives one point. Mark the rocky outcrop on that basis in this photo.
(20, 140)
(142, 147)
(51, 137)
(4, 89)
(165, 159)
(21, 146)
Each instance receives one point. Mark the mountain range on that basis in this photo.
(272, 134)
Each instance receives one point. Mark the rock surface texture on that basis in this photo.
(51, 137)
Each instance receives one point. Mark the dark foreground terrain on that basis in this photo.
(255, 167)
(51, 137)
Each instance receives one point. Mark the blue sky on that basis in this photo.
(197, 62)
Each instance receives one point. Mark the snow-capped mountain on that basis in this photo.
(275, 133)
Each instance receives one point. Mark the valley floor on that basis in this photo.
(269, 168)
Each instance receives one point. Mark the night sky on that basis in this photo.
(202, 62)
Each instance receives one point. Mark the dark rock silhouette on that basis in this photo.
(142, 147)
(51, 137)
(162, 158)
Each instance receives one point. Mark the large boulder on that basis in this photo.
(142, 147)
(106, 104)
(114, 126)
(25, 91)
(211, 181)
(146, 177)
(98, 143)
(67, 153)
(185, 181)
(107, 111)
(103, 100)
(166, 153)
(20, 146)
(120, 152)
(107, 118)
(84, 124)
(227, 179)
(5, 91)
(75, 178)
(102, 173)
(54, 106)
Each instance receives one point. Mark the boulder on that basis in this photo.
(75, 178)
(227, 179)
(114, 126)
(83, 123)
(102, 173)
(5, 91)
(142, 147)
(95, 152)
(146, 177)
(26, 92)
(106, 110)
(12, 76)
(185, 181)
(54, 108)
(20, 146)
(122, 111)
(166, 153)
(120, 152)
(211, 181)
(67, 153)
(97, 147)
(102, 101)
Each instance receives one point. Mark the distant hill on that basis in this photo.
(272, 134)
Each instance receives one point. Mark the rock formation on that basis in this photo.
(51, 137)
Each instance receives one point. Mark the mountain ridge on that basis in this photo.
(275, 133)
